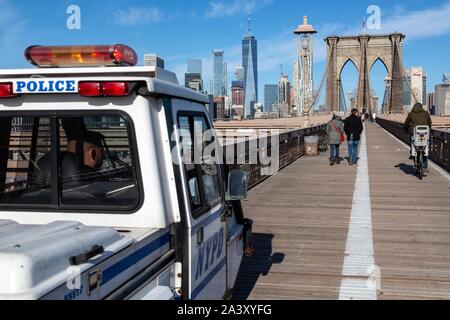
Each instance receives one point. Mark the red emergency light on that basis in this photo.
(81, 56)
(105, 89)
(6, 90)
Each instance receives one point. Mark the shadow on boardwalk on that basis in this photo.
(407, 169)
(257, 265)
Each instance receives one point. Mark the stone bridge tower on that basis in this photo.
(363, 51)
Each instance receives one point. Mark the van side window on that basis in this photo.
(96, 162)
(84, 162)
(203, 178)
(25, 175)
(210, 176)
(188, 159)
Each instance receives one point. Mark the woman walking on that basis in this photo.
(335, 131)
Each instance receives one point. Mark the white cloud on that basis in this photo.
(235, 7)
(135, 16)
(415, 25)
(419, 24)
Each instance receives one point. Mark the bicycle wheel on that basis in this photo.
(420, 165)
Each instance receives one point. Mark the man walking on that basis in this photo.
(353, 128)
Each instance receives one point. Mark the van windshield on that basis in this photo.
(67, 162)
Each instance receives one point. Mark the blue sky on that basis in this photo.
(177, 30)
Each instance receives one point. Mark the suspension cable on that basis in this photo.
(321, 82)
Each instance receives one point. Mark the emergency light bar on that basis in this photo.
(81, 56)
(53, 86)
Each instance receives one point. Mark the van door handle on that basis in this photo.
(200, 235)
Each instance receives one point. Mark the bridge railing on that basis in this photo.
(439, 142)
(291, 146)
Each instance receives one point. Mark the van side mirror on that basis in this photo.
(237, 185)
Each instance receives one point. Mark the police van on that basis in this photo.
(106, 188)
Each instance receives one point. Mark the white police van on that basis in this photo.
(103, 194)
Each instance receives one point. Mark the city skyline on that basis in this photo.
(155, 28)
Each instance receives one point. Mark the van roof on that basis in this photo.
(159, 81)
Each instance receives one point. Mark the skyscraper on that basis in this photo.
(193, 77)
(237, 92)
(270, 96)
(194, 66)
(442, 99)
(219, 81)
(239, 73)
(284, 95)
(250, 64)
(414, 87)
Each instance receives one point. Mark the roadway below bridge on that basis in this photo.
(371, 231)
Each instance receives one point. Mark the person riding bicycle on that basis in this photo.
(417, 117)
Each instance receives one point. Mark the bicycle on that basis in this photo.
(420, 148)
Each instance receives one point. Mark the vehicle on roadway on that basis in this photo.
(99, 198)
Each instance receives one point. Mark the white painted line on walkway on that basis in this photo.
(360, 276)
(430, 162)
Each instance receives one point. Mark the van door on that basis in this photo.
(205, 232)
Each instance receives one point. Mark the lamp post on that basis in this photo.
(304, 71)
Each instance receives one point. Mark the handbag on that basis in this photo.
(340, 134)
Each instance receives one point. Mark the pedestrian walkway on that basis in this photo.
(309, 222)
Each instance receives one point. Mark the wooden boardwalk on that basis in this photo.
(302, 218)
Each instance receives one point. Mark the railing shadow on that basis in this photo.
(257, 265)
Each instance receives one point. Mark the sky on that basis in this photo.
(178, 30)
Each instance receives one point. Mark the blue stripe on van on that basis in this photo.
(132, 259)
(205, 222)
(208, 278)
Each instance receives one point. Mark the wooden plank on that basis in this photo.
(411, 221)
(301, 223)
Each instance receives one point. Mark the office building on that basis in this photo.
(219, 103)
(430, 103)
(284, 95)
(270, 96)
(239, 73)
(219, 74)
(414, 87)
(194, 66)
(442, 99)
(250, 65)
(237, 92)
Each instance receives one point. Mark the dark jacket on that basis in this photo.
(417, 117)
(353, 126)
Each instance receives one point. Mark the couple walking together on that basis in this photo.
(352, 127)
